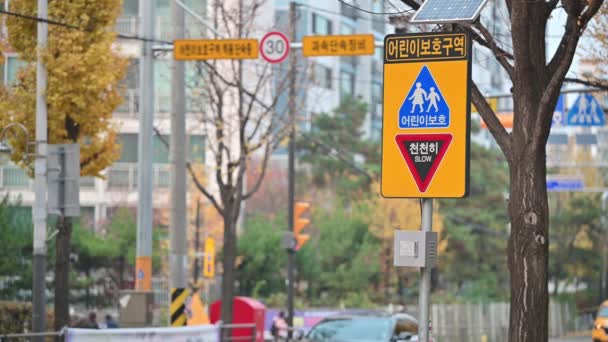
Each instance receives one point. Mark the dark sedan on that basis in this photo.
(364, 328)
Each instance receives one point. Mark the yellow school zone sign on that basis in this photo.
(426, 121)
(205, 49)
(338, 45)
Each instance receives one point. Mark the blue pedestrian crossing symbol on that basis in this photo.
(424, 106)
(559, 114)
(586, 111)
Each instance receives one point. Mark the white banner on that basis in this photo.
(201, 333)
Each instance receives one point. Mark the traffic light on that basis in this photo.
(300, 223)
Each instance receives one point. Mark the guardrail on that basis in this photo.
(7, 337)
(206, 333)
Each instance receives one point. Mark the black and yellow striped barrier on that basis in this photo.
(178, 307)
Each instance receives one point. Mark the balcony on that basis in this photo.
(130, 106)
(14, 178)
(349, 11)
(129, 25)
(123, 176)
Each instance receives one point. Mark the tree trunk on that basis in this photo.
(62, 271)
(528, 247)
(87, 291)
(228, 278)
(121, 272)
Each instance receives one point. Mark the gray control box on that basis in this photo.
(64, 179)
(415, 248)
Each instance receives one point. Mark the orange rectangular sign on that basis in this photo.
(426, 121)
(209, 261)
(338, 45)
(203, 49)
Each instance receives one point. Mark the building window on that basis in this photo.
(321, 25)
(128, 148)
(346, 29)
(377, 92)
(349, 11)
(197, 149)
(321, 76)
(131, 80)
(378, 23)
(130, 8)
(347, 83)
(12, 66)
(161, 151)
(162, 81)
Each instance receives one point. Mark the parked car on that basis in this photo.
(600, 326)
(364, 328)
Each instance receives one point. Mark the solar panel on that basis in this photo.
(448, 11)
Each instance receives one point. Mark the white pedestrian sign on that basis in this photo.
(424, 106)
(586, 111)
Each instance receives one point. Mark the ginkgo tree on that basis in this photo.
(84, 72)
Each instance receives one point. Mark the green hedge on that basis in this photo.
(16, 318)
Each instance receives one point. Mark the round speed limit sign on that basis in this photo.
(274, 47)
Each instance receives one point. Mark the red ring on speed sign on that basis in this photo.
(283, 54)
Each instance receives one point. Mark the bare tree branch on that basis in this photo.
(559, 68)
(569, 33)
(501, 57)
(599, 84)
(260, 179)
(193, 175)
(551, 4)
(498, 51)
(413, 4)
(509, 4)
(203, 190)
(503, 138)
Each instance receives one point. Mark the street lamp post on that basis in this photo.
(5, 148)
(39, 218)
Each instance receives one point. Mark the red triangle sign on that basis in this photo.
(423, 153)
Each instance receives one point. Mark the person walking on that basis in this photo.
(279, 327)
(111, 323)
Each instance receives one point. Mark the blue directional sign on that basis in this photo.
(559, 114)
(424, 106)
(587, 111)
(565, 184)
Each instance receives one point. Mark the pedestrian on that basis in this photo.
(279, 327)
(92, 321)
(111, 323)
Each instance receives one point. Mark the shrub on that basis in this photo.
(16, 318)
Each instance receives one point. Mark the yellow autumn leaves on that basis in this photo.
(84, 72)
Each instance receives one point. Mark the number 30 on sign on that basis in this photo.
(274, 47)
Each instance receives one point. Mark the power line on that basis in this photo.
(372, 12)
(339, 13)
(74, 27)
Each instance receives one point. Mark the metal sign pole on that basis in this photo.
(604, 222)
(39, 209)
(425, 276)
